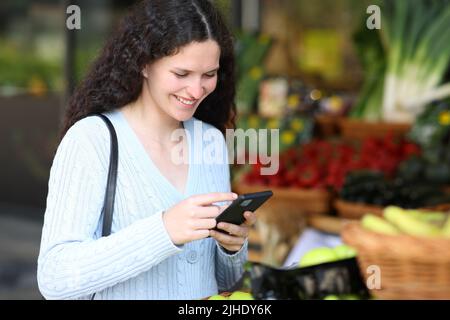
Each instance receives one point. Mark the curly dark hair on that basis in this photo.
(155, 29)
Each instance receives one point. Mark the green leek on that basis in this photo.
(416, 51)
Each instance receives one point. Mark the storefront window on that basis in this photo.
(31, 47)
(33, 42)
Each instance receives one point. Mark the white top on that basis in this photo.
(138, 260)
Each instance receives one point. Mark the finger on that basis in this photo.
(222, 208)
(233, 229)
(210, 198)
(207, 212)
(200, 234)
(250, 218)
(205, 224)
(226, 239)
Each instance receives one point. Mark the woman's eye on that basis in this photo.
(210, 75)
(181, 75)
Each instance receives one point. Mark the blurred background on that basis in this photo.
(341, 94)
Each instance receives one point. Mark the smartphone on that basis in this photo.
(234, 213)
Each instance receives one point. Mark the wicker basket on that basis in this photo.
(354, 129)
(307, 201)
(411, 267)
(353, 210)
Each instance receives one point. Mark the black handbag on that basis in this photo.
(108, 204)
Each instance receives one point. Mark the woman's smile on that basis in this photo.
(187, 103)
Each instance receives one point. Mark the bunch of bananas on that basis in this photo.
(412, 222)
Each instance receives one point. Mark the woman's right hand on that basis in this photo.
(192, 218)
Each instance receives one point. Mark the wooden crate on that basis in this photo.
(308, 201)
(327, 126)
(354, 129)
(282, 219)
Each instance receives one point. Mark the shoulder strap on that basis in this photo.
(108, 205)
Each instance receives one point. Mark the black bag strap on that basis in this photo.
(108, 204)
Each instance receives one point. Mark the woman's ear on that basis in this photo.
(145, 72)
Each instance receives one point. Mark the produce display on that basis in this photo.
(406, 189)
(403, 177)
(325, 164)
(411, 222)
(324, 254)
(432, 132)
(236, 295)
(405, 62)
(342, 297)
(250, 51)
(432, 127)
(410, 249)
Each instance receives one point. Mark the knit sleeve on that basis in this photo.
(73, 262)
(229, 267)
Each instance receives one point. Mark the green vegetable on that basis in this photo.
(406, 75)
(370, 50)
(409, 224)
(377, 224)
(446, 228)
(417, 48)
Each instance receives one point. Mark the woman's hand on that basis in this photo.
(235, 235)
(192, 218)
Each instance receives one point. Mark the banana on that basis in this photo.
(377, 224)
(446, 228)
(437, 218)
(409, 224)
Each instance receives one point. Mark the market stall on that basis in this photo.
(363, 176)
(342, 111)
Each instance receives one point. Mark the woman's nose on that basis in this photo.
(196, 91)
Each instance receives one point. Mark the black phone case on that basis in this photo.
(235, 212)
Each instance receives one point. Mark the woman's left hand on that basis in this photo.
(235, 235)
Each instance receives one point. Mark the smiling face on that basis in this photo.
(177, 84)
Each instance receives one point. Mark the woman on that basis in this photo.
(169, 68)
